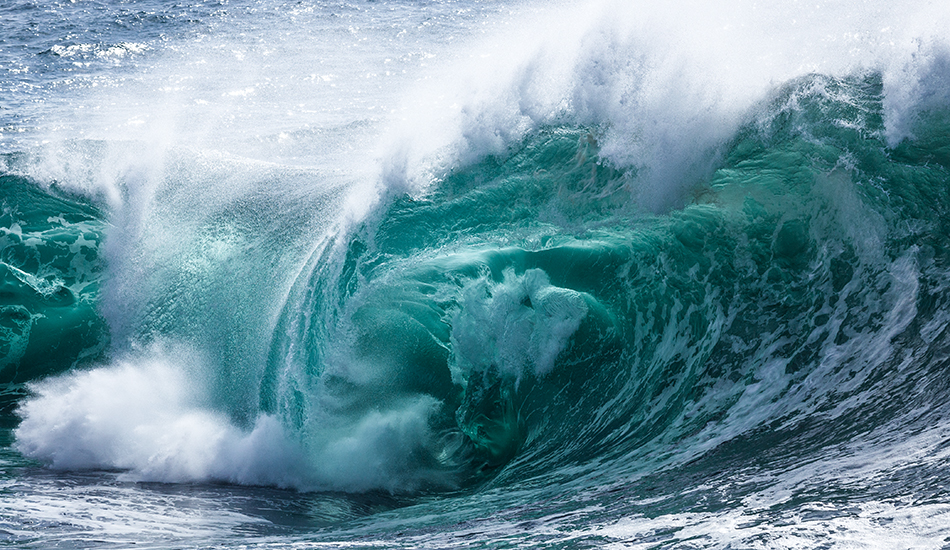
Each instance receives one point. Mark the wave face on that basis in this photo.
(556, 326)
(608, 294)
(51, 269)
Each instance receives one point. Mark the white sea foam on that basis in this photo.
(518, 326)
(918, 83)
(143, 415)
(78, 514)
(150, 416)
(662, 84)
(765, 520)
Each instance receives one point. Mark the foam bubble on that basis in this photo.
(150, 416)
(518, 326)
(144, 415)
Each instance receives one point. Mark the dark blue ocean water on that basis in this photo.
(474, 274)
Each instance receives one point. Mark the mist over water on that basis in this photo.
(469, 273)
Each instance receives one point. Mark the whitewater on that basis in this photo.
(474, 274)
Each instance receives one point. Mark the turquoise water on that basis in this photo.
(341, 274)
(51, 275)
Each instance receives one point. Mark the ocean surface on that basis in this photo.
(474, 274)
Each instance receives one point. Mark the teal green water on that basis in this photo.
(522, 331)
(554, 324)
(51, 267)
(469, 274)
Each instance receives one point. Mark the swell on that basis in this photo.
(524, 317)
(553, 324)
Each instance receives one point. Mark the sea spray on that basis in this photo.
(609, 272)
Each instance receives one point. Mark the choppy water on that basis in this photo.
(474, 274)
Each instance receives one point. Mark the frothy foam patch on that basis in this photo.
(918, 84)
(148, 416)
(81, 515)
(519, 326)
